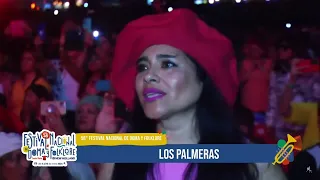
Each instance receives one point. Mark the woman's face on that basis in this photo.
(14, 166)
(27, 63)
(166, 82)
(86, 118)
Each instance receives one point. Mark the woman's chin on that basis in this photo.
(155, 115)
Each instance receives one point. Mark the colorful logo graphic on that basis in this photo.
(285, 155)
(162, 132)
(45, 149)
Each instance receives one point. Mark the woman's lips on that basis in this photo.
(152, 94)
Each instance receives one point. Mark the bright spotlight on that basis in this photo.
(66, 5)
(288, 25)
(95, 34)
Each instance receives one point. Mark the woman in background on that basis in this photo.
(254, 77)
(6, 77)
(29, 76)
(87, 112)
(179, 75)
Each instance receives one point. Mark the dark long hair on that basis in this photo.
(216, 126)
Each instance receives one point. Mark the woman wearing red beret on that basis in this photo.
(176, 74)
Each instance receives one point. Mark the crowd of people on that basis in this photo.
(168, 71)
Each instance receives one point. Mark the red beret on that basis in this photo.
(183, 30)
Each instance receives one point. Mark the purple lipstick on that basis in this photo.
(152, 94)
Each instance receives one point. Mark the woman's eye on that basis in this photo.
(141, 67)
(168, 64)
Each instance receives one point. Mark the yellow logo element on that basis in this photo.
(64, 141)
(134, 139)
(25, 149)
(285, 155)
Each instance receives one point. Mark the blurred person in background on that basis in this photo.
(6, 77)
(88, 86)
(74, 171)
(31, 111)
(28, 121)
(103, 59)
(9, 122)
(254, 76)
(171, 86)
(113, 115)
(47, 51)
(29, 76)
(72, 70)
(3, 106)
(13, 164)
(254, 132)
(18, 35)
(18, 28)
(290, 84)
(87, 112)
(245, 118)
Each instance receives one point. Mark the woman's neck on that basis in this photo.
(29, 76)
(181, 128)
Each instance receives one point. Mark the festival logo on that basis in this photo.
(285, 154)
(45, 149)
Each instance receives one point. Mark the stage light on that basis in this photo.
(95, 34)
(288, 25)
(66, 5)
(55, 12)
(33, 5)
(79, 3)
(170, 9)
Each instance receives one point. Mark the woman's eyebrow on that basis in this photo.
(158, 57)
(165, 56)
(142, 59)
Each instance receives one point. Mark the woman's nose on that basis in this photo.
(151, 77)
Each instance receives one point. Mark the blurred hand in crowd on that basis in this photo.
(106, 121)
(53, 122)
